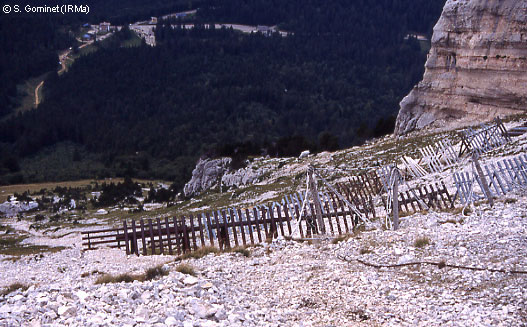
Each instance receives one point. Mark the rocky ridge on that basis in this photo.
(476, 69)
(209, 173)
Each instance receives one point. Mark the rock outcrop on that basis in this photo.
(241, 177)
(12, 208)
(207, 173)
(476, 69)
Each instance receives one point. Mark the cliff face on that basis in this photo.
(476, 68)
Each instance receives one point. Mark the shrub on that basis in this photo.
(365, 251)
(154, 272)
(127, 278)
(340, 238)
(13, 287)
(199, 253)
(242, 250)
(186, 269)
(421, 242)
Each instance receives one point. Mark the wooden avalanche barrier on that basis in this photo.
(225, 228)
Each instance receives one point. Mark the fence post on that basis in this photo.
(482, 179)
(395, 197)
(314, 193)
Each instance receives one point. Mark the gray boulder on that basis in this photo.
(208, 172)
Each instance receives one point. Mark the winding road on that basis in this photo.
(37, 99)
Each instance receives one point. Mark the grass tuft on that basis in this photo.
(365, 251)
(241, 249)
(150, 274)
(421, 242)
(154, 272)
(199, 253)
(340, 238)
(13, 287)
(186, 269)
(127, 278)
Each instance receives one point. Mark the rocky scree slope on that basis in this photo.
(286, 283)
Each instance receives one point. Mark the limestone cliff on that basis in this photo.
(476, 68)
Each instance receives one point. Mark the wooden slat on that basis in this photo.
(192, 230)
(412, 201)
(233, 226)
(159, 232)
(99, 242)
(94, 237)
(186, 240)
(255, 214)
(125, 229)
(336, 213)
(134, 239)
(200, 226)
(209, 227)
(496, 174)
(177, 234)
(239, 215)
(248, 215)
(288, 220)
(264, 220)
(445, 191)
(341, 203)
(152, 240)
(299, 221)
(506, 176)
(280, 220)
(406, 202)
(492, 180)
(521, 172)
(219, 235)
(118, 240)
(169, 240)
(227, 237)
(326, 205)
(106, 230)
(143, 236)
(313, 228)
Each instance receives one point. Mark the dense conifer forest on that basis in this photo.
(150, 112)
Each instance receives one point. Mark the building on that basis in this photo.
(87, 37)
(265, 30)
(104, 27)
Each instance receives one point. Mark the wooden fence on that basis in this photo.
(439, 156)
(502, 177)
(223, 228)
(431, 196)
(485, 139)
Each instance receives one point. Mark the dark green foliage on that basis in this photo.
(160, 195)
(28, 48)
(112, 194)
(24, 197)
(328, 16)
(151, 112)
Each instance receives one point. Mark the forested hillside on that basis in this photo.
(150, 112)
